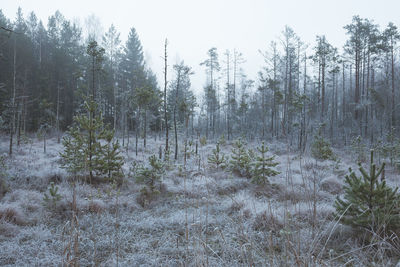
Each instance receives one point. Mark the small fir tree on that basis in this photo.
(359, 148)
(222, 140)
(151, 175)
(263, 166)
(83, 151)
(217, 158)
(112, 160)
(52, 197)
(391, 148)
(321, 148)
(240, 160)
(368, 202)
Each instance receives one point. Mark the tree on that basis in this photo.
(321, 148)
(46, 119)
(83, 151)
(132, 76)
(165, 96)
(262, 167)
(112, 160)
(391, 36)
(111, 42)
(212, 67)
(96, 54)
(323, 54)
(217, 158)
(95, 125)
(368, 202)
(145, 97)
(180, 86)
(240, 159)
(151, 175)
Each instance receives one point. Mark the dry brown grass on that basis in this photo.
(12, 214)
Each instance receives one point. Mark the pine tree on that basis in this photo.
(262, 166)
(152, 174)
(359, 147)
(83, 151)
(53, 197)
(112, 160)
(321, 148)
(240, 162)
(217, 158)
(369, 203)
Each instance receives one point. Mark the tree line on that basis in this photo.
(47, 72)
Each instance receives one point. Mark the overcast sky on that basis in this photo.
(192, 27)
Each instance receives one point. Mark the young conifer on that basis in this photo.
(217, 158)
(321, 148)
(112, 161)
(368, 202)
(263, 166)
(83, 152)
(240, 162)
(151, 175)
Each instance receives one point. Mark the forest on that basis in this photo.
(105, 164)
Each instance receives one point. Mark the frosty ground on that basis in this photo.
(202, 217)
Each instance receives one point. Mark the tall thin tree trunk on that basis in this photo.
(393, 94)
(12, 128)
(165, 95)
(144, 127)
(57, 115)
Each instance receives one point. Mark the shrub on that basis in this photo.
(203, 141)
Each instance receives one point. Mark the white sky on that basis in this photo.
(192, 27)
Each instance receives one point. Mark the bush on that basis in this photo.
(203, 141)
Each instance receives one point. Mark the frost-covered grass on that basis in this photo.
(202, 217)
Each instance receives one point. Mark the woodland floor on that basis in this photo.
(202, 217)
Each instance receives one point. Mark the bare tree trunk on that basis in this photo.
(12, 128)
(393, 95)
(144, 127)
(57, 115)
(165, 95)
(175, 107)
(137, 131)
